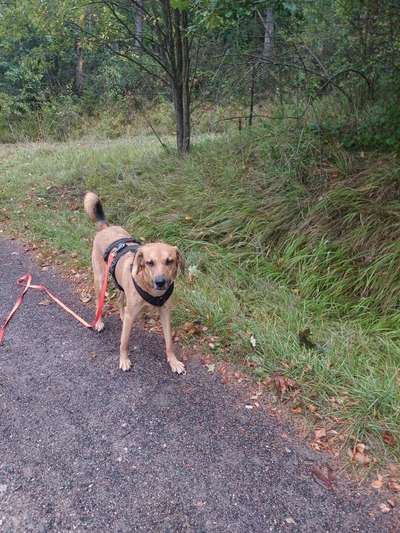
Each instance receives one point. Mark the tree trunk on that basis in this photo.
(180, 81)
(79, 77)
(268, 34)
(252, 91)
(139, 24)
(185, 84)
(267, 49)
(182, 116)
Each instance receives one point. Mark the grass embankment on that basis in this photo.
(281, 233)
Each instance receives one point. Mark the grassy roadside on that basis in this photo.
(278, 238)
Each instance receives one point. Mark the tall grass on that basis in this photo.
(67, 117)
(281, 231)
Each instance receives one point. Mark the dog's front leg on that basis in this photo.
(121, 304)
(165, 317)
(124, 361)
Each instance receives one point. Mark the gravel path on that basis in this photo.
(86, 447)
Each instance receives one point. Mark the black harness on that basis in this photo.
(122, 247)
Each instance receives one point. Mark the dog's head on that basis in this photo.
(158, 263)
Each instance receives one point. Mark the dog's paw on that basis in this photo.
(99, 326)
(177, 366)
(125, 364)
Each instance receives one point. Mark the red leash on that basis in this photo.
(26, 281)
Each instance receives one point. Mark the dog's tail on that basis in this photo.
(94, 209)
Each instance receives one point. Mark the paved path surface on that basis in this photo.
(85, 447)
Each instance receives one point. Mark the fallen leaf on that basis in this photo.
(281, 383)
(323, 475)
(391, 502)
(377, 483)
(256, 395)
(320, 434)
(312, 408)
(384, 508)
(393, 485)
(289, 520)
(192, 328)
(358, 454)
(297, 410)
(206, 359)
(388, 438)
(361, 458)
(200, 504)
(360, 447)
(46, 301)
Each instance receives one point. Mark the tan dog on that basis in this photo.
(154, 267)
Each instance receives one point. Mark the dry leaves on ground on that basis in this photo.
(85, 297)
(377, 483)
(281, 384)
(358, 454)
(192, 328)
(324, 440)
(324, 476)
(388, 438)
(393, 485)
(384, 508)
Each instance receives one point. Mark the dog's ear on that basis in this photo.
(138, 262)
(180, 261)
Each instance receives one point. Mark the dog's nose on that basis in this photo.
(159, 282)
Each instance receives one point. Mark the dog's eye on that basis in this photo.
(169, 261)
(150, 263)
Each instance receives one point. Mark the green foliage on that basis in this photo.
(379, 129)
(348, 48)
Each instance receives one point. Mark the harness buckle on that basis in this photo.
(120, 247)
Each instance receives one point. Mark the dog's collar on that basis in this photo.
(158, 301)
